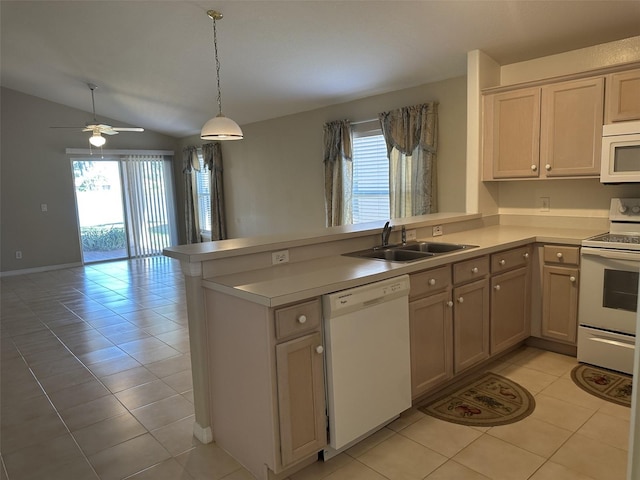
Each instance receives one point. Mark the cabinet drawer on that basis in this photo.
(561, 254)
(516, 257)
(470, 269)
(431, 281)
(298, 319)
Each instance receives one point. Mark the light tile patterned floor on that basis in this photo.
(96, 383)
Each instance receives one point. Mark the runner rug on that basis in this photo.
(606, 384)
(488, 401)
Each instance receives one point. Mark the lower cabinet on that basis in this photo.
(510, 316)
(560, 281)
(301, 399)
(471, 324)
(431, 342)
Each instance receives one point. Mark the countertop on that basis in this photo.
(292, 282)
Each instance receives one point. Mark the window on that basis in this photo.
(203, 193)
(370, 174)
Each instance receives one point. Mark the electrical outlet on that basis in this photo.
(545, 204)
(411, 235)
(19, 254)
(437, 231)
(280, 257)
(44, 207)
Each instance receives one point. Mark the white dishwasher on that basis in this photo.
(368, 364)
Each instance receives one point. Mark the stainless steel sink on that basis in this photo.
(435, 247)
(410, 252)
(392, 254)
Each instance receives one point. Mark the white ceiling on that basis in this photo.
(154, 64)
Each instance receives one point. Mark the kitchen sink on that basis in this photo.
(410, 252)
(435, 247)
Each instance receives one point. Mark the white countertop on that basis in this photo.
(292, 282)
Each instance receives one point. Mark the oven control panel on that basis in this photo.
(625, 210)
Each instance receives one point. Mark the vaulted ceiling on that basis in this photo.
(154, 61)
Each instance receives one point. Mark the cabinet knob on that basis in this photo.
(474, 270)
(319, 349)
(559, 254)
(534, 168)
(572, 279)
(432, 281)
(525, 254)
(302, 319)
(449, 303)
(502, 262)
(496, 288)
(460, 299)
(547, 167)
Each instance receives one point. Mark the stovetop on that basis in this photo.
(624, 226)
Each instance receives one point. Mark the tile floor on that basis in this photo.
(96, 383)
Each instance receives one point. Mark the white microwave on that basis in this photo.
(620, 161)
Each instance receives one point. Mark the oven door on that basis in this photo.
(609, 289)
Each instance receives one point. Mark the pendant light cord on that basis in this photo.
(215, 49)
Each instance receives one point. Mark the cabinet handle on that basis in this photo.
(572, 279)
(319, 349)
(496, 288)
(547, 167)
(525, 254)
(474, 270)
(534, 168)
(460, 299)
(502, 262)
(302, 319)
(449, 303)
(559, 254)
(432, 281)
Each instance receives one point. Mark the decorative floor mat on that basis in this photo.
(612, 386)
(488, 401)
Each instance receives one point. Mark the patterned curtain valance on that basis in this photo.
(407, 128)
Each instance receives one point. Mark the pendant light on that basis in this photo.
(219, 127)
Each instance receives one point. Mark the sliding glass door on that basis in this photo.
(125, 206)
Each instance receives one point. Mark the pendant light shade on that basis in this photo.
(219, 127)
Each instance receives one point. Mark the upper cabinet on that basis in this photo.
(545, 131)
(623, 96)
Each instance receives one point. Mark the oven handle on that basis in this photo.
(613, 342)
(613, 254)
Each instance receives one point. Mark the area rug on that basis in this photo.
(606, 384)
(488, 401)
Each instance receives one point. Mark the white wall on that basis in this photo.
(274, 178)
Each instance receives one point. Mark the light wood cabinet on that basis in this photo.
(560, 282)
(623, 97)
(571, 128)
(267, 382)
(545, 131)
(510, 298)
(301, 397)
(471, 324)
(431, 333)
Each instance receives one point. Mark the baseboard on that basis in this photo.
(204, 434)
(550, 345)
(47, 268)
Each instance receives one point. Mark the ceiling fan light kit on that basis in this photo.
(97, 140)
(219, 127)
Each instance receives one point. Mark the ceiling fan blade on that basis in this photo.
(78, 127)
(128, 129)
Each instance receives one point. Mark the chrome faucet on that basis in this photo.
(386, 231)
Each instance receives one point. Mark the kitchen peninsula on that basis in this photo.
(243, 311)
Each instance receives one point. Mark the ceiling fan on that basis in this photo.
(98, 129)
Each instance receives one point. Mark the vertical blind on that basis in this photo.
(148, 204)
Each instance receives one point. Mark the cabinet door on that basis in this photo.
(510, 317)
(470, 324)
(431, 342)
(301, 397)
(511, 135)
(571, 128)
(560, 303)
(623, 97)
